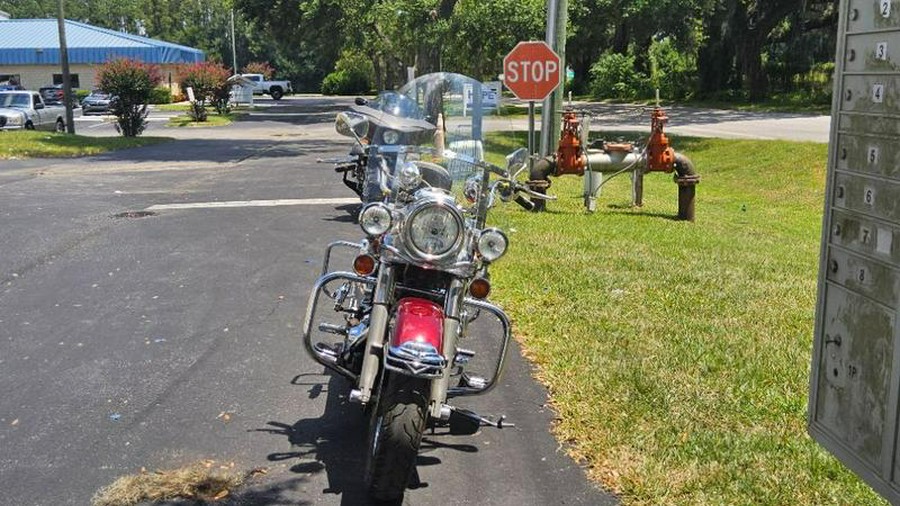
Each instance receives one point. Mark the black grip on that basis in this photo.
(525, 203)
(344, 168)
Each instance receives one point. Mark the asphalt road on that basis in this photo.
(132, 341)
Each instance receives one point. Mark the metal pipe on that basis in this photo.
(687, 179)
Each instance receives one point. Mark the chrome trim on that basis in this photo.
(433, 199)
(384, 288)
(501, 360)
(453, 299)
(335, 244)
(326, 359)
(418, 360)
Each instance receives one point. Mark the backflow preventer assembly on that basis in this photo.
(592, 161)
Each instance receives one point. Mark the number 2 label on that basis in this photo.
(885, 8)
(881, 51)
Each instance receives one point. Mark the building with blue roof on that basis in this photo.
(29, 52)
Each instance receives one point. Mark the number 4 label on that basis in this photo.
(878, 93)
(885, 8)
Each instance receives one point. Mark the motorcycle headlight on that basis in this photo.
(434, 231)
(409, 176)
(492, 244)
(390, 137)
(375, 219)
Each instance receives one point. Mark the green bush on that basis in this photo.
(615, 76)
(161, 95)
(673, 72)
(131, 82)
(81, 94)
(353, 74)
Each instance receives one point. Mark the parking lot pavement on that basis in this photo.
(134, 336)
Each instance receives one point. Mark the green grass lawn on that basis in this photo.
(677, 354)
(31, 144)
(212, 120)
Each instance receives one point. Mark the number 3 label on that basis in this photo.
(885, 8)
(881, 51)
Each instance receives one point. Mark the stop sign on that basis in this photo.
(532, 70)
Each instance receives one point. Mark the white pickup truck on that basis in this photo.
(275, 89)
(26, 110)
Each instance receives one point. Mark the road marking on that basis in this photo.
(254, 203)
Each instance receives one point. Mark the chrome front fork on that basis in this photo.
(452, 308)
(378, 324)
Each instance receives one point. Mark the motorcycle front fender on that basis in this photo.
(417, 340)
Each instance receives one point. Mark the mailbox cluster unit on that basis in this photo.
(855, 385)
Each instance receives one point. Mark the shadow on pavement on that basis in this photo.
(335, 442)
(220, 151)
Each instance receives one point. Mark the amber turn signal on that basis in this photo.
(480, 288)
(364, 265)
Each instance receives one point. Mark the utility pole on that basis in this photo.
(64, 58)
(557, 18)
(233, 44)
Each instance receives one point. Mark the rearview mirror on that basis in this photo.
(38, 105)
(353, 125)
(516, 158)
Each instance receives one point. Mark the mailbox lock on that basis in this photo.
(843, 153)
(854, 15)
(833, 266)
(840, 192)
(849, 95)
(837, 230)
(851, 55)
(836, 340)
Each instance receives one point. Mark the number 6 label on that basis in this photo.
(869, 196)
(885, 8)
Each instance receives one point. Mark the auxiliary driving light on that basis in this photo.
(480, 288)
(364, 265)
(492, 244)
(375, 219)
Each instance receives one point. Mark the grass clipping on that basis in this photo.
(200, 481)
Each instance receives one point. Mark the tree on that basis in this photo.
(209, 83)
(130, 82)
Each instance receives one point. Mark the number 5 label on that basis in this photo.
(885, 8)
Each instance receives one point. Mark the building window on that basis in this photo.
(57, 79)
(10, 80)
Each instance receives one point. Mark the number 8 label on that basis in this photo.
(885, 8)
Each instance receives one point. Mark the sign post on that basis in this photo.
(532, 71)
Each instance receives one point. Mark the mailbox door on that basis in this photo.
(854, 401)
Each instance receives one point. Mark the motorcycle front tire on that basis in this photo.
(395, 433)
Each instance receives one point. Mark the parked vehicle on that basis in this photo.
(275, 89)
(392, 119)
(97, 102)
(52, 94)
(412, 323)
(27, 110)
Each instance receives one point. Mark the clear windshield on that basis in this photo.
(18, 100)
(438, 122)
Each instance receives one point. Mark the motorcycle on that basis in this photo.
(413, 319)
